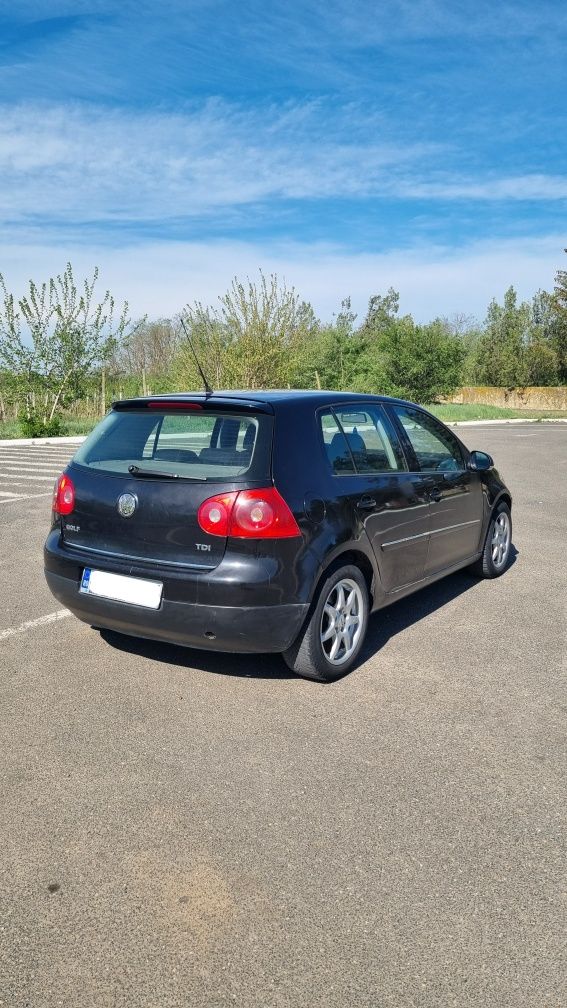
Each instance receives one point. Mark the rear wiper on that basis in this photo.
(135, 470)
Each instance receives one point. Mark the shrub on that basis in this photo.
(34, 426)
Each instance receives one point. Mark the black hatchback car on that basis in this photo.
(268, 521)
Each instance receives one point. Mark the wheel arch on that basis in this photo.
(504, 498)
(355, 558)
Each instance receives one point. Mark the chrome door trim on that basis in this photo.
(432, 532)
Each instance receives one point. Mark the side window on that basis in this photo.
(371, 439)
(335, 445)
(360, 441)
(434, 446)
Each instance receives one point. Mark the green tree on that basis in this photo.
(541, 364)
(398, 357)
(421, 362)
(500, 358)
(257, 337)
(518, 345)
(53, 339)
(559, 324)
(541, 357)
(325, 358)
(382, 313)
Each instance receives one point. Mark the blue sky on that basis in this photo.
(348, 146)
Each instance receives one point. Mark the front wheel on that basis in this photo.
(330, 641)
(497, 545)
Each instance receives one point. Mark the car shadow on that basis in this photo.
(410, 610)
(384, 625)
(248, 666)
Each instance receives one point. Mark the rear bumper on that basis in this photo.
(244, 629)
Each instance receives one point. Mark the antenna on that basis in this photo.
(208, 389)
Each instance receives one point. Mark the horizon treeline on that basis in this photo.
(62, 350)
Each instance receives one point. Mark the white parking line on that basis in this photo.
(30, 450)
(26, 460)
(14, 482)
(56, 460)
(22, 497)
(14, 470)
(22, 470)
(17, 477)
(12, 463)
(3, 493)
(31, 624)
(46, 452)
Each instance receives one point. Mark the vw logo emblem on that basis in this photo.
(127, 504)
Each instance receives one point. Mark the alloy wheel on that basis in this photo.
(500, 543)
(342, 621)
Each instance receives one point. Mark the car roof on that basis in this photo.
(317, 397)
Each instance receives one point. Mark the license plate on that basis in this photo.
(119, 588)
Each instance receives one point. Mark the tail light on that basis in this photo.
(248, 514)
(63, 496)
(214, 514)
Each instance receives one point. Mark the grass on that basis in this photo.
(453, 412)
(76, 427)
(70, 427)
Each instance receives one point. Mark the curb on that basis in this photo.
(21, 442)
(505, 420)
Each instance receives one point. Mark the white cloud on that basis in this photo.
(76, 163)
(158, 278)
(515, 187)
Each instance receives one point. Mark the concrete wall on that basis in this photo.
(532, 397)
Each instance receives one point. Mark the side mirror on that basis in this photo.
(480, 461)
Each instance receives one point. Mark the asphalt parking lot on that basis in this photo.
(186, 829)
(30, 471)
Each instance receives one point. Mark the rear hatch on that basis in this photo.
(143, 473)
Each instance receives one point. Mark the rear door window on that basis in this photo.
(211, 446)
(336, 445)
(361, 440)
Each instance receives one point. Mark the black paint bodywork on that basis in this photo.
(404, 530)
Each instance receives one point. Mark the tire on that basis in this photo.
(497, 545)
(337, 622)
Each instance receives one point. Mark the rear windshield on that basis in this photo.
(215, 446)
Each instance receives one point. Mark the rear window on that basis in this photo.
(212, 446)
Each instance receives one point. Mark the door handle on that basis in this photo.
(366, 503)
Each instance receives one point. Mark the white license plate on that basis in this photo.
(122, 589)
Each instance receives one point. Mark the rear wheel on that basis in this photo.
(331, 639)
(497, 545)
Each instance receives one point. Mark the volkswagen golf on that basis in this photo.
(268, 521)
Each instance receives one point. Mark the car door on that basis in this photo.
(454, 491)
(371, 476)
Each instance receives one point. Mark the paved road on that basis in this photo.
(182, 829)
(28, 472)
